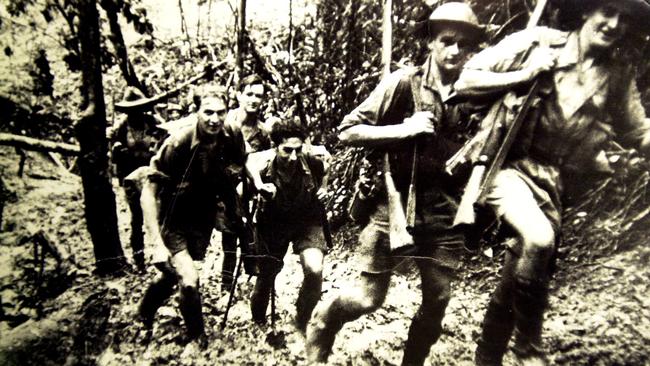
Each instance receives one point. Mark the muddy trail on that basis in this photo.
(58, 312)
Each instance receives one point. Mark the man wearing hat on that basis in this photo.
(190, 191)
(135, 140)
(387, 121)
(588, 97)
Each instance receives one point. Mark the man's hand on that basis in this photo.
(321, 194)
(541, 60)
(267, 190)
(420, 123)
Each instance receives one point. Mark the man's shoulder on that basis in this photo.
(180, 136)
(403, 75)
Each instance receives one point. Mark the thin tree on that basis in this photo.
(99, 199)
(116, 37)
(241, 40)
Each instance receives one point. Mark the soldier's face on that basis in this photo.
(605, 25)
(450, 48)
(250, 99)
(211, 115)
(289, 150)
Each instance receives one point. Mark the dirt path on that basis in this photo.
(599, 311)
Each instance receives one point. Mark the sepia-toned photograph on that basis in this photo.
(325, 182)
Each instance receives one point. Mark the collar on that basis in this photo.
(432, 80)
(570, 51)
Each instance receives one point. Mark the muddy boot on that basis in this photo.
(530, 302)
(156, 295)
(425, 330)
(497, 328)
(320, 339)
(190, 306)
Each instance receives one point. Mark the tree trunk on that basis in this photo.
(241, 41)
(184, 24)
(99, 199)
(387, 37)
(120, 48)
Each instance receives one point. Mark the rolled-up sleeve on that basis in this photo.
(512, 52)
(632, 114)
(372, 110)
(161, 163)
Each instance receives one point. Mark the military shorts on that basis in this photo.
(194, 239)
(275, 236)
(434, 239)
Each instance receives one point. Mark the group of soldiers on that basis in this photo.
(587, 97)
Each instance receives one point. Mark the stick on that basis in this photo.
(231, 294)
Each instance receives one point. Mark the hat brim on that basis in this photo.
(428, 28)
(639, 10)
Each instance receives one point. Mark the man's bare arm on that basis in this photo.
(474, 82)
(151, 212)
(421, 123)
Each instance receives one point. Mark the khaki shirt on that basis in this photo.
(196, 178)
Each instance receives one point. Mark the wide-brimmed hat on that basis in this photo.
(134, 100)
(132, 94)
(573, 10)
(456, 13)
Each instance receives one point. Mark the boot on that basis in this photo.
(191, 310)
(530, 302)
(425, 330)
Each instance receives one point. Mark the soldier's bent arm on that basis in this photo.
(151, 211)
(517, 59)
(255, 163)
(371, 136)
(367, 125)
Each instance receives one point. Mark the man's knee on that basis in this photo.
(540, 239)
(188, 277)
(372, 292)
(313, 272)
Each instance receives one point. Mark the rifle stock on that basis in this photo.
(466, 215)
(399, 237)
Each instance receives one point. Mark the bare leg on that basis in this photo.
(330, 316)
(312, 267)
(156, 295)
(269, 269)
(190, 300)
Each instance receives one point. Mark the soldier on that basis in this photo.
(135, 140)
(386, 121)
(293, 178)
(190, 192)
(588, 96)
(247, 118)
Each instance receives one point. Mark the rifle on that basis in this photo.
(243, 253)
(402, 222)
(481, 178)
